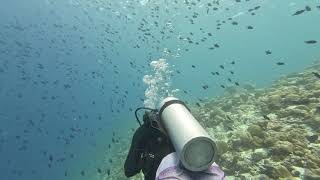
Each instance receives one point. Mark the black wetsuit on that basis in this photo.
(149, 146)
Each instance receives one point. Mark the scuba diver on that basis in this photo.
(149, 146)
(171, 144)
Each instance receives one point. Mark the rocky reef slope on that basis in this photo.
(269, 133)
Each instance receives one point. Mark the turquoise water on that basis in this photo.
(71, 72)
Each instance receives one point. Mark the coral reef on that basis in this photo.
(269, 133)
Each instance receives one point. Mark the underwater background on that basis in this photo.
(72, 72)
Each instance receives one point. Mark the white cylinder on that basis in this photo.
(193, 144)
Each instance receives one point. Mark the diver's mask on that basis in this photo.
(151, 118)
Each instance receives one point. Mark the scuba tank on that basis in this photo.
(196, 149)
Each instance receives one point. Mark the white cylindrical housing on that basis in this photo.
(193, 144)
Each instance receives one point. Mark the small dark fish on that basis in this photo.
(198, 104)
(213, 73)
(20, 95)
(108, 172)
(231, 72)
(205, 87)
(310, 42)
(99, 170)
(50, 158)
(193, 66)
(221, 66)
(268, 52)
(308, 8)
(316, 74)
(229, 117)
(249, 27)
(318, 7)
(66, 86)
(222, 86)
(312, 138)
(280, 63)
(298, 12)
(234, 23)
(266, 117)
(110, 160)
(216, 45)
(217, 73)
(237, 84)
(229, 80)
(257, 7)
(233, 62)
(83, 173)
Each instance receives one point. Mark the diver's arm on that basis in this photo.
(133, 163)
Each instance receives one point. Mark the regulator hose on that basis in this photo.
(138, 109)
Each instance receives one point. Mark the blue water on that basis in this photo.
(66, 82)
